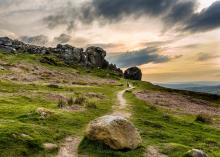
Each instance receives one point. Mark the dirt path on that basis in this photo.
(121, 108)
(69, 147)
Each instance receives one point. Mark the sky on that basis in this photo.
(170, 40)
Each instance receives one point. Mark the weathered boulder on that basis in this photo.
(114, 131)
(133, 73)
(95, 56)
(71, 55)
(195, 153)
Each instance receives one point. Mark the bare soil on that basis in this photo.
(179, 103)
(70, 148)
(153, 151)
(29, 73)
(121, 108)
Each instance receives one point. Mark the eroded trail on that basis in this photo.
(121, 108)
(69, 147)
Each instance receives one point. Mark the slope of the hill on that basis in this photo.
(43, 107)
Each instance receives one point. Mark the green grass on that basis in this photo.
(95, 149)
(23, 130)
(18, 116)
(173, 134)
(34, 59)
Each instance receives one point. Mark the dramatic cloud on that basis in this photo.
(35, 40)
(207, 19)
(171, 12)
(136, 58)
(63, 38)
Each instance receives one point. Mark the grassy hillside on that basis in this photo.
(32, 92)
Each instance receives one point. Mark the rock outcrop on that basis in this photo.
(195, 153)
(93, 57)
(133, 73)
(114, 131)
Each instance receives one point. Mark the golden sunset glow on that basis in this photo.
(177, 49)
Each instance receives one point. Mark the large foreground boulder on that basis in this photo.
(133, 73)
(114, 131)
(195, 153)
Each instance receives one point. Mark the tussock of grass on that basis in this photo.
(204, 118)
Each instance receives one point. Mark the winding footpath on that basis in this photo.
(70, 146)
(121, 108)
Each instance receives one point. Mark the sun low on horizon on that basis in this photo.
(170, 40)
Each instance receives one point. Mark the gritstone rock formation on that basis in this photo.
(93, 57)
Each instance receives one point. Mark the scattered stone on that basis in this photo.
(133, 73)
(195, 153)
(114, 131)
(43, 112)
(50, 147)
(153, 151)
(2, 68)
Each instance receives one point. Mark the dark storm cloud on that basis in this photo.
(181, 11)
(207, 19)
(171, 12)
(63, 38)
(136, 58)
(35, 40)
(115, 9)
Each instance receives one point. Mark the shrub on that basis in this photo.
(80, 100)
(70, 101)
(53, 86)
(61, 103)
(91, 105)
(49, 60)
(166, 117)
(204, 118)
(153, 108)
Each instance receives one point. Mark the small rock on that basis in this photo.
(50, 147)
(44, 113)
(114, 131)
(2, 68)
(196, 153)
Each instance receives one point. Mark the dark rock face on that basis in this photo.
(93, 57)
(133, 73)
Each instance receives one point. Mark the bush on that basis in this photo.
(80, 100)
(91, 105)
(61, 103)
(53, 86)
(49, 60)
(204, 118)
(166, 117)
(70, 101)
